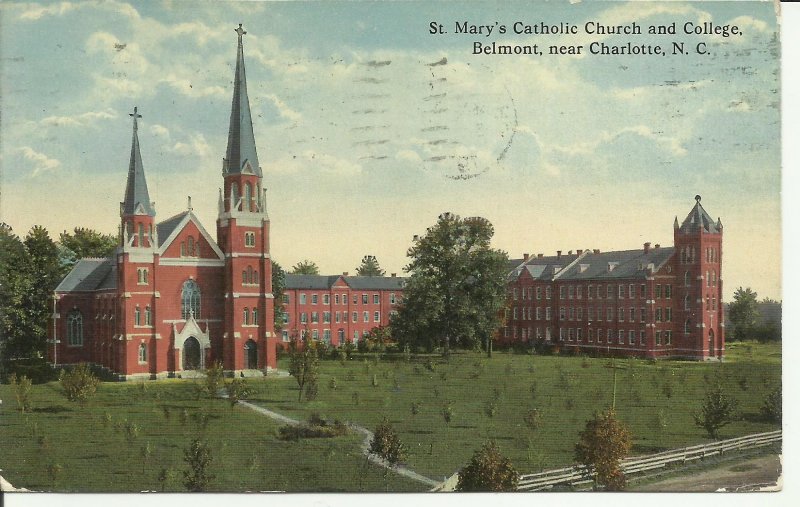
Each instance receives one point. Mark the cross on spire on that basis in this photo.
(135, 114)
(240, 31)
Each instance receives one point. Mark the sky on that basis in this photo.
(368, 126)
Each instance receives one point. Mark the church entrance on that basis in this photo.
(251, 354)
(191, 354)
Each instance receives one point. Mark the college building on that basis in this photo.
(650, 302)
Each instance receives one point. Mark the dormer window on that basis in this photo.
(611, 266)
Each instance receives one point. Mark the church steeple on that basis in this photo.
(241, 156)
(137, 198)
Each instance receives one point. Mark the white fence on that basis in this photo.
(579, 475)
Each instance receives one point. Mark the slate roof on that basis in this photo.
(136, 193)
(324, 282)
(698, 219)
(626, 264)
(241, 140)
(168, 226)
(90, 275)
(543, 268)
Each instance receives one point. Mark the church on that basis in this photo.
(172, 298)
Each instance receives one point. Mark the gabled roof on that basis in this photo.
(543, 268)
(623, 264)
(170, 228)
(137, 198)
(89, 275)
(698, 220)
(241, 150)
(324, 282)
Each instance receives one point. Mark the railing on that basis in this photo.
(579, 475)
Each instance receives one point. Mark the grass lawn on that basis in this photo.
(96, 453)
(655, 399)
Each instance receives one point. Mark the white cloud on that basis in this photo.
(188, 88)
(160, 131)
(283, 109)
(196, 145)
(79, 120)
(35, 12)
(41, 162)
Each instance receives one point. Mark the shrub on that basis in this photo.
(772, 409)
(22, 391)
(386, 444)
(533, 419)
(603, 444)
(79, 383)
(415, 406)
(332, 383)
(317, 427)
(237, 389)
(198, 457)
(716, 411)
(488, 470)
(214, 380)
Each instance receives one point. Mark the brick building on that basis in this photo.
(338, 308)
(650, 302)
(171, 297)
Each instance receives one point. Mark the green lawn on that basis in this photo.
(655, 399)
(95, 455)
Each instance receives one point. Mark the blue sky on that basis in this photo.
(560, 153)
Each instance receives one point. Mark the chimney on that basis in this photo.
(647, 247)
(558, 254)
(656, 247)
(596, 250)
(540, 255)
(569, 253)
(394, 275)
(345, 273)
(525, 256)
(580, 252)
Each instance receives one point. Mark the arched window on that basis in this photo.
(142, 353)
(75, 328)
(694, 254)
(141, 235)
(183, 249)
(248, 191)
(714, 278)
(683, 255)
(255, 316)
(686, 279)
(687, 326)
(249, 274)
(245, 316)
(708, 280)
(244, 277)
(197, 248)
(686, 302)
(190, 300)
(191, 245)
(148, 317)
(234, 196)
(255, 277)
(137, 317)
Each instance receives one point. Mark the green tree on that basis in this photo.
(79, 383)
(22, 391)
(457, 286)
(305, 267)
(198, 457)
(15, 285)
(743, 313)
(45, 272)
(214, 380)
(370, 267)
(716, 411)
(82, 243)
(772, 409)
(488, 470)
(303, 364)
(237, 389)
(278, 289)
(386, 444)
(603, 444)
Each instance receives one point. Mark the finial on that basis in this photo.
(189, 203)
(240, 31)
(135, 114)
(697, 198)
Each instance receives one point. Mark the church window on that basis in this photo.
(255, 316)
(686, 302)
(714, 278)
(142, 276)
(190, 300)
(686, 279)
(141, 236)
(708, 280)
(142, 354)
(137, 317)
(191, 245)
(75, 328)
(183, 249)
(687, 326)
(244, 277)
(245, 316)
(248, 190)
(250, 239)
(148, 316)
(234, 196)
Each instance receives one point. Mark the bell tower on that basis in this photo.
(243, 235)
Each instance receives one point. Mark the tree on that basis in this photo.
(743, 313)
(198, 457)
(716, 411)
(237, 389)
(603, 444)
(305, 267)
(772, 409)
(79, 383)
(15, 284)
(488, 470)
(45, 272)
(278, 288)
(370, 267)
(83, 243)
(386, 444)
(456, 288)
(303, 365)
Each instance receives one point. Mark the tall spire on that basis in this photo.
(241, 156)
(137, 198)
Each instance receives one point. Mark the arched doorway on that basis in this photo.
(191, 354)
(251, 354)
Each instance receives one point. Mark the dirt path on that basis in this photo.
(400, 470)
(757, 474)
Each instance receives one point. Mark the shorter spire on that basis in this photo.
(137, 198)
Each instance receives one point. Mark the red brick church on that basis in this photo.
(172, 297)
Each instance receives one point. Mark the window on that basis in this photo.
(609, 314)
(571, 291)
(621, 337)
(622, 314)
(392, 298)
(562, 313)
(561, 334)
(609, 336)
(303, 299)
(315, 334)
(183, 249)
(548, 313)
(248, 191)
(515, 294)
(314, 317)
(250, 239)
(141, 236)
(365, 298)
(142, 276)
(286, 299)
(686, 302)
(303, 318)
(326, 317)
(376, 317)
(632, 315)
(366, 317)
(137, 317)
(621, 291)
(75, 328)
(355, 336)
(142, 354)
(562, 292)
(708, 280)
(599, 336)
(659, 317)
(376, 299)
(245, 316)
(668, 314)
(571, 334)
(549, 293)
(591, 335)
(579, 336)
(590, 314)
(344, 316)
(336, 299)
(148, 318)
(285, 317)
(255, 316)
(687, 326)
(190, 300)
(658, 291)
(658, 337)
(668, 291)
(326, 299)
(338, 317)
(538, 313)
(326, 336)
(539, 293)
(667, 337)
(631, 291)
(686, 279)
(589, 291)
(631, 337)
(642, 291)
(314, 299)
(642, 314)
(579, 292)
(355, 316)
(344, 299)
(609, 291)
(285, 336)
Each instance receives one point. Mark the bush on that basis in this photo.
(717, 410)
(317, 427)
(22, 391)
(214, 380)
(603, 444)
(79, 383)
(533, 419)
(772, 409)
(198, 457)
(237, 389)
(386, 444)
(488, 470)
